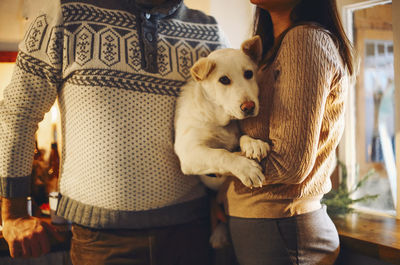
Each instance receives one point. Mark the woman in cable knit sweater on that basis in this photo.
(302, 77)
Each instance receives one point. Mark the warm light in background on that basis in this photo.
(6, 70)
(45, 132)
(54, 114)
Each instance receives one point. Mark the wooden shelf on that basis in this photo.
(370, 235)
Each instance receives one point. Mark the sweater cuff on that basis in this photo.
(15, 187)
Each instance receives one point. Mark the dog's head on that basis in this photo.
(228, 77)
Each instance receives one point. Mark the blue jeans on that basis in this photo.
(306, 239)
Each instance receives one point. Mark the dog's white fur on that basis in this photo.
(206, 128)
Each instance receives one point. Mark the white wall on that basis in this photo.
(234, 17)
(14, 20)
(11, 24)
(203, 5)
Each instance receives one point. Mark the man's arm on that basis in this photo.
(26, 236)
(30, 94)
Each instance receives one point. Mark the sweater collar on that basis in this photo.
(163, 10)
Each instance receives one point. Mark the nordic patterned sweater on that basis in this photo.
(116, 70)
(302, 96)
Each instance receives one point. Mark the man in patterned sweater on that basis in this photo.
(116, 68)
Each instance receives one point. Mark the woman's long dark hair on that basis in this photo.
(318, 12)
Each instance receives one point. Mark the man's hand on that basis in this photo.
(26, 236)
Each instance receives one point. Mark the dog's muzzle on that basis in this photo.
(248, 108)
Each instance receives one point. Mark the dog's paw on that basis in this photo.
(253, 148)
(219, 237)
(248, 171)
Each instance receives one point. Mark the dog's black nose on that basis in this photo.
(248, 107)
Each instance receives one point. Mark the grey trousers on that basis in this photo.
(307, 239)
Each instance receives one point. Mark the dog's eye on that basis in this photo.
(248, 74)
(225, 80)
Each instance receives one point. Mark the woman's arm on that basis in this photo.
(306, 61)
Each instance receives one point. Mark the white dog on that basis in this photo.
(206, 133)
(223, 91)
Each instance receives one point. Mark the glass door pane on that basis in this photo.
(375, 112)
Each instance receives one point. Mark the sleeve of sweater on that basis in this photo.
(30, 94)
(306, 63)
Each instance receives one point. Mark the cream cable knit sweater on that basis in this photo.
(302, 94)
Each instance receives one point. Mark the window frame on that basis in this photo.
(347, 145)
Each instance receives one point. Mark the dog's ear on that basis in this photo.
(253, 48)
(202, 68)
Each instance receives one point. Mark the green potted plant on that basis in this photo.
(339, 201)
